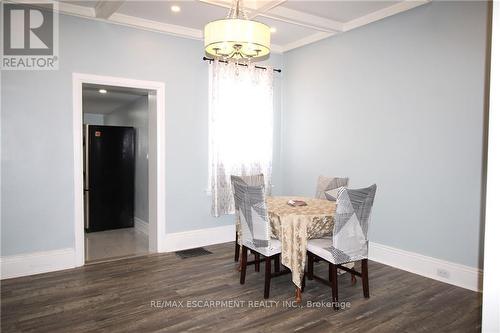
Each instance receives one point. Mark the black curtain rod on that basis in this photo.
(224, 61)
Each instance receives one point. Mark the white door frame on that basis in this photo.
(156, 165)
(491, 289)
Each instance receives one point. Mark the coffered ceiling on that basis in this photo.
(297, 23)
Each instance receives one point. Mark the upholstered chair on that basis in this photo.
(255, 180)
(326, 184)
(349, 242)
(250, 203)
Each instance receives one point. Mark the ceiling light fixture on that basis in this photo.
(103, 91)
(273, 30)
(237, 37)
(175, 8)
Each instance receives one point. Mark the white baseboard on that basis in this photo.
(197, 238)
(35, 263)
(141, 225)
(55, 260)
(437, 269)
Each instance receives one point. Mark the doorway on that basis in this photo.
(135, 230)
(115, 172)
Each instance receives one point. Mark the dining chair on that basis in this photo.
(255, 180)
(349, 242)
(250, 203)
(325, 184)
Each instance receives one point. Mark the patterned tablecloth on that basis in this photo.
(295, 225)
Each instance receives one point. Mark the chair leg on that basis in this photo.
(277, 263)
(257, 262)
(330, 275)
(303, 284)
(310, 265)
(364, 277)
(243, 272)
(335, 290)
(267, 284)
(236, 249)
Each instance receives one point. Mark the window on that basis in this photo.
(240, 128)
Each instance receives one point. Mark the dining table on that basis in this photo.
(294, 225)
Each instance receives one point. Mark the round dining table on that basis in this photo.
(294, 225)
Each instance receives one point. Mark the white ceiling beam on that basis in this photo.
(303, 19)
(105, 8)
(265, 7)
(248, 5)
(221, 3)
(156, 26)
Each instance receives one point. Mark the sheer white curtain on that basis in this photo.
(240, 128)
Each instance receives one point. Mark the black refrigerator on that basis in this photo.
(109, 167)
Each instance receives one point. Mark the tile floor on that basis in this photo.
(118, 243)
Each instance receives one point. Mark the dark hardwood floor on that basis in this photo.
(117, 297)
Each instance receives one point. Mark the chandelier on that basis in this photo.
(237, 37)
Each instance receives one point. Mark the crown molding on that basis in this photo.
(277, 49)
(308, 40)
(383, 13)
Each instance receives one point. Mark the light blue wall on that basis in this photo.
(37, 141)
(135, 114)
(398, 103)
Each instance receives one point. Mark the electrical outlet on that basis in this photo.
(443, 273)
